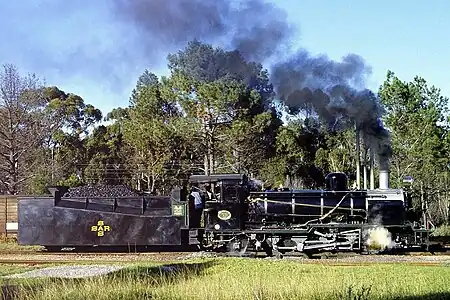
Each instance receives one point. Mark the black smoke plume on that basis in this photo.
(255, 27)
(143, 31)
(334, 91)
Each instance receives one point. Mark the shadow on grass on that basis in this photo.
(152, 276)
(365, 293)
(167, 273)
(429, 296)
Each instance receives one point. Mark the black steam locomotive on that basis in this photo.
(224, 212)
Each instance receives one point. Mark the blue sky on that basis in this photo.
(69, 43)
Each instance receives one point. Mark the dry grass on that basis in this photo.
(6, 269)
(252, 279)
(9, 244)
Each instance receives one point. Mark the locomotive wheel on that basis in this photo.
(267, 248)
(238, 247)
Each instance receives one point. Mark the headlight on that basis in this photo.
(224, 215)
(217, 227)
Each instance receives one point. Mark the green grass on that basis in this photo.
(9, 244)
(252, 279)
(7, 269)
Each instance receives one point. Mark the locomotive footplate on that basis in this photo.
(311, 239)
(283, 240)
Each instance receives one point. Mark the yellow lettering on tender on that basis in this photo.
(100, 228)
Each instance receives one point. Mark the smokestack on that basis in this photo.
(358, 159)
(372, 174)
(384, 172)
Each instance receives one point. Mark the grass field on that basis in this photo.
(8, 243)
(249, 279)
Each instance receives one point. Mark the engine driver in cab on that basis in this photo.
(197, 199)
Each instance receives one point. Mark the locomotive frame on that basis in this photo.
(238, 220)
(320, 227)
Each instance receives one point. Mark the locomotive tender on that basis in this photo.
(235, 218)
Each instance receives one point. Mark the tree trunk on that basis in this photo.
(209, 159)
(138, 183)
(152, 186)
(208, 148)
(422, 201)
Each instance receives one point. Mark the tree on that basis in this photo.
(69, 112)
(70, 121)
(148, 128)
(230, 101)
(251, 142)
(209, 107)
(106, 157)
(297, 161)
(38, 125)
(416, 115)
(23, 127)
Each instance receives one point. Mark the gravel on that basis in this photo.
(82, 271)
(348, 259)
(101, 190)
(394, 259)
(100, 258)
(87, 257)
(196, 255)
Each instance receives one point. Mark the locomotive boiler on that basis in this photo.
(335, 202)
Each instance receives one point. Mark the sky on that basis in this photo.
(86, 47)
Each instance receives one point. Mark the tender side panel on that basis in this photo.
(157, 206)
(40, 223)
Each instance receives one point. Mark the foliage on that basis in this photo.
(416, 115)
(41, 127)
(443, 230)
(23, 127)
(215, 112)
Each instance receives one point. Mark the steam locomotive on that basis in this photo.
(224, 212)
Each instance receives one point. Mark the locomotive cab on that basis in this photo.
(224, 200)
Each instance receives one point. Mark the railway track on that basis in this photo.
(357, 260)
(46, 258)
(174, 252)
(43, 257)
(87, 254)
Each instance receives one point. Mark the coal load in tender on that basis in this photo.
(107, 191)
